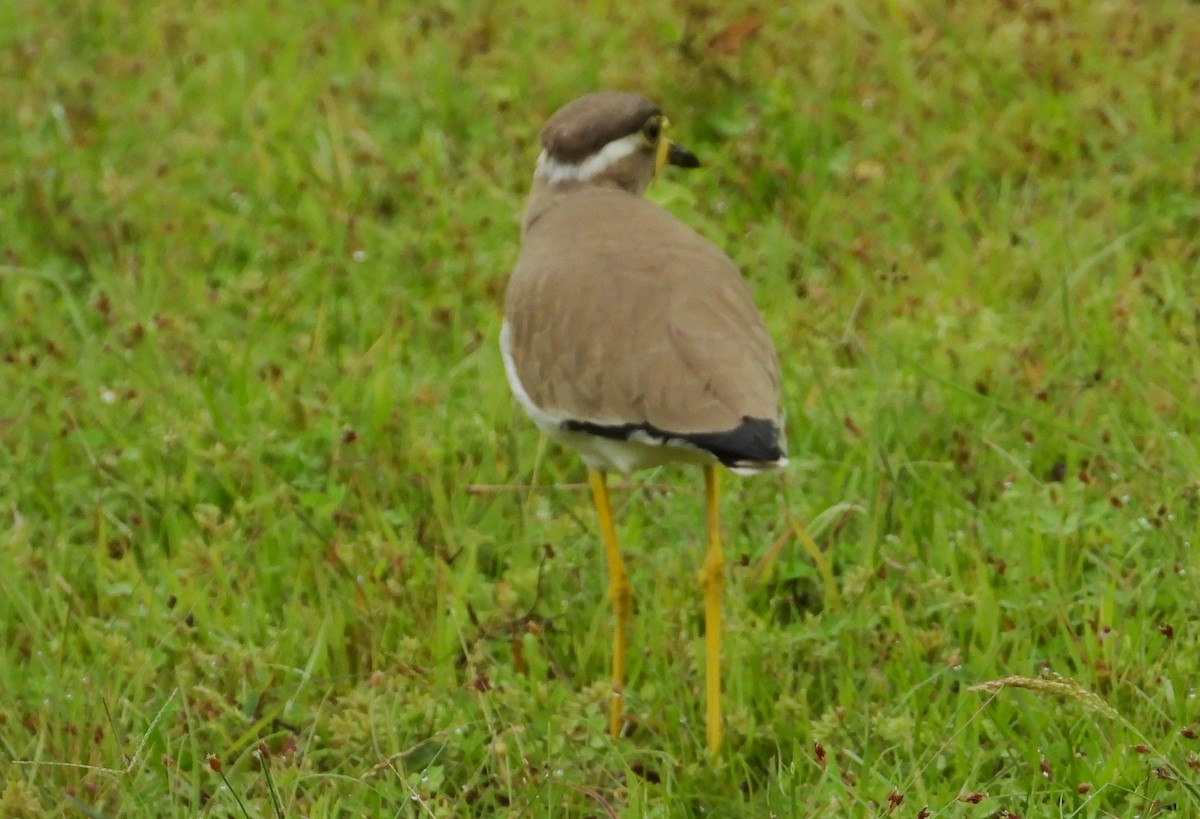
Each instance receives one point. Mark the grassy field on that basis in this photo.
(276, 541)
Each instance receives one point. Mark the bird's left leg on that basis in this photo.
(620, 594)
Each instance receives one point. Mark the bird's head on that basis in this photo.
(608, 138)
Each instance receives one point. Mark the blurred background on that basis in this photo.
(268, 544)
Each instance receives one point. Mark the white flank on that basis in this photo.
(551, 171)
(547, 422)
(641, 451)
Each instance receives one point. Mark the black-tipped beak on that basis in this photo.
(681, 157)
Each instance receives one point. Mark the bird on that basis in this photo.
(634, 340)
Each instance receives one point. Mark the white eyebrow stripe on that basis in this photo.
(552, 171)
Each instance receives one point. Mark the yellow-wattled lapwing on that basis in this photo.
(633, 339)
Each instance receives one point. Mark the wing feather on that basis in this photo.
(608, 327)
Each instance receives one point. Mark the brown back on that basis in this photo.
(618, 313)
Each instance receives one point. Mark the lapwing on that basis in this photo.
(634, 340)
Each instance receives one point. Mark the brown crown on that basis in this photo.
(584, 126)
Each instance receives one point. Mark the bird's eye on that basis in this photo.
(652, 129)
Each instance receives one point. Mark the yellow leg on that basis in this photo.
(712, 577)
(620, 594)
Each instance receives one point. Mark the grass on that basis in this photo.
(265, 548)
